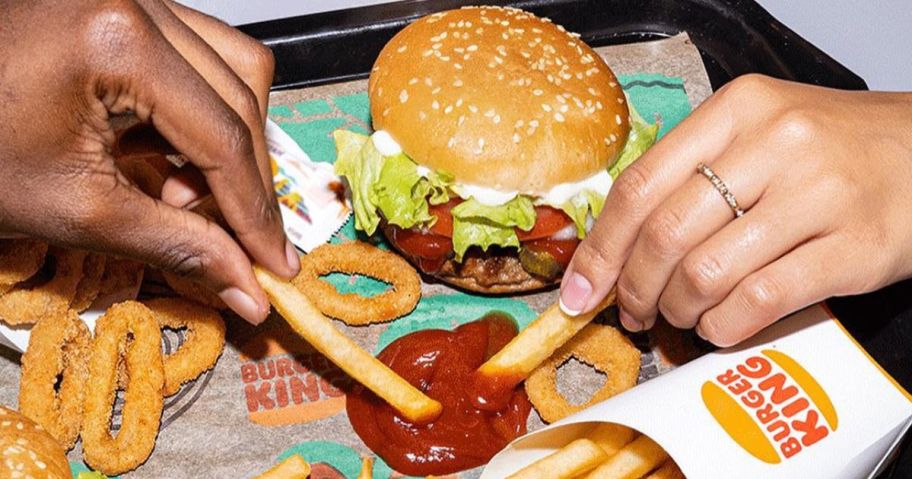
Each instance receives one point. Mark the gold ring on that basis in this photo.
(722, 188)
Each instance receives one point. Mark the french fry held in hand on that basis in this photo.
(363, 367)
(295, 467)
(512, 364)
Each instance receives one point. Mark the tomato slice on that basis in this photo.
(548, 221)
(428, 250)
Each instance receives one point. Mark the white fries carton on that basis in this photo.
(801, 399)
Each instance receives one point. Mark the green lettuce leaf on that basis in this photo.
(401, 193)
(477, 224)
(359, 161)
(641, 137)
(578, 209)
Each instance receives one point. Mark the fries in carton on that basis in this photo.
(801, 399)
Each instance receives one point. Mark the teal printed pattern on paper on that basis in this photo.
(657, 98)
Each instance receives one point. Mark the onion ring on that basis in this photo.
(193, 291)
(356, 257)
(89, 286)
(26, 304)
(20, 259)
(143, 398)
(121, 274)
(58, 345)
(604, 348)
(202, 346)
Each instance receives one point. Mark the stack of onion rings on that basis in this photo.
(356, 257)
(604, 348)
(58, 345)
(26, 304)
(205, 339)
(143, 399)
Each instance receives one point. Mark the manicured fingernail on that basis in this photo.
(629, 323)
(575, 294)
(243, 305)
(294, 261)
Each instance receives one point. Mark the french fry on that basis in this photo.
(578, 457)
(632, 462)
(669, 470)
(295, 467)
(611, 437)
(318, 330)
(537, 343)
(367, 468)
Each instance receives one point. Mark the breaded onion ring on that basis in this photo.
(193, 291)
(26, 304)
(89, 286)
(357, 257)
(20, 259)
(203, 344)
(121, 274)
(127, 328)
(58, 345)
(604, 348)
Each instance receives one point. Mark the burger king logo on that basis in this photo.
(285, 381)
(771, 406)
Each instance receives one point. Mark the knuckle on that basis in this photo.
(115, 26)
(632, 187)
(664, 233)
(762, 294)
(703, 274)
(796, 126)
(746, 86)
(246, 104)
(237, 140)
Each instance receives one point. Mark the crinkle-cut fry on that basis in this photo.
(367, 468)
(568, 462)
(143, 400)
(538, 342)
(295, 467)
(632, 462)
(58, 345)
(362, 366)
(668, 470)
(611, 437)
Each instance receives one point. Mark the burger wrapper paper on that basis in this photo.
(272, 395)
(801, 399)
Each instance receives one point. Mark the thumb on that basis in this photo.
(592, 272)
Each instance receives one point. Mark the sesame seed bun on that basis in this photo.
(499, 98)
(28, 451)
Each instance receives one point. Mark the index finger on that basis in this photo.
(597, 262)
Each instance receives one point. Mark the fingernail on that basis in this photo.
(294, 261)
(243, 305)
(629, 323)
(575, 294)
(699, 332)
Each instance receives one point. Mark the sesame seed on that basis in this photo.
(481, 142)
(498, 59)
(617, 118)
(459, 103)
(473, 108)
(518, 124)
(422, 115)
(436, 46)
(428, 81)
(445, 58)
(611, 84)
(403, 96)
(435, 91)
(546, 107)
(525, 54)
(559, 117)
(490, 113)
(402, 49)
(621, 101)
(561, 99)
(516, 138)
(613, 137)
(448, 109)
(564, 108)
(592, 91)
(472, 48)
(537, 92)
(461, 120)
(534, 123)
(598, 105)
(435, 105)
(496, 119)
(452, 142)
(427, 53)
(413, 81)
(457, 66)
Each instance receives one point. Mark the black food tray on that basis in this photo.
(734, 37)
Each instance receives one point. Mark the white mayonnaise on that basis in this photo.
(483, 195)
(385, 144)
(559, 194)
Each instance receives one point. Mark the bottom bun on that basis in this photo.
(28, 450)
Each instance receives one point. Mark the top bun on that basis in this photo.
(499, 98)
(28, 450)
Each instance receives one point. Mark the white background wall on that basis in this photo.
(871, 37)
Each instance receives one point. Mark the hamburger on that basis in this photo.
(28, 450)
(497, 136)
